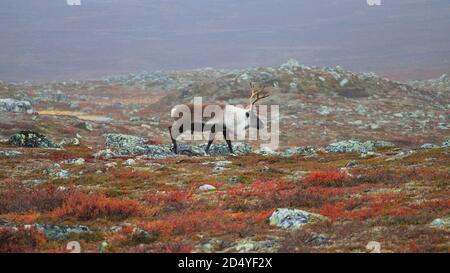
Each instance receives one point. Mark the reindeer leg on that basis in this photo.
(211, 138)
(225, 135)
(173, 140)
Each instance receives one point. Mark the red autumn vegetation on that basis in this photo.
(92, 206)
(22, 240)
(215, 221)
(329, 178)
(125, 174)
(170, 201)
(16, 198)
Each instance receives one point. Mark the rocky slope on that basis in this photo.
(361, 159)
(317, 105)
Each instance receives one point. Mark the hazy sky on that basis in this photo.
(47, 39)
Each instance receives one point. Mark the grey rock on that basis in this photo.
(400, 155)
(297, 150)
(110, 164)
(55, 232)
(85, 126)
(429, 146)
(361, 110)
(135, 119)
(293, 218)
(290, 65)
(207, 187)
(239, 148)
(441, 223)
(123, 141)
(312, 155)
(351, 163)
(343, 83)
(154, 121)
(266, 151)
(130, 162)
(16, 106)
(62, 174)
(107, 154)
(234, 180)
(32, 139)
(446, 144)
(9, 153)
(75, 161)
(324, 110)
(70, 141)
(219, 169)
(349, 146)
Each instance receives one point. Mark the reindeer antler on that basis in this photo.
(257, 94)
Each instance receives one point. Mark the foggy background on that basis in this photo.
(43, 40)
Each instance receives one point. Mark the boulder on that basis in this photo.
(85, 126)
(32, 139)
(239, 148)
(107, 153)
(74, 161)
(266, 151)
(16, 106)
(9, 153)
(124, 144)
(350, 146)
(429, 146)
(293, 218)
(291, 64)
(207, 187)
(54, 232)
(297, 150)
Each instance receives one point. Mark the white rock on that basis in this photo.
(130, 162)
(343, 83)
(207, 187)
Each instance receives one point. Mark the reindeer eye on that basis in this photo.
(247, 114)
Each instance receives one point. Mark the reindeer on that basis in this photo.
(223, 120)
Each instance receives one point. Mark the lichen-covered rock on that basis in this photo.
(441, 223)
(16, 106)
(32, 139)
(239, 148)
(429, 146)
(291, 64)
(349, 146)
(70, 141)
(293, 218)
(157, 151)
(130, 162)
(195, 150)
(74, 161)
(124, 144)
(266, 151)
(297, 150)
(54, 232)
(207, 187)
(85, 126)
(107, 153)
(9, 153)
(446, 144)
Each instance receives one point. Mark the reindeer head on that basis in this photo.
(251, 115)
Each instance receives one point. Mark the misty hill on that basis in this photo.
(46, 40)
(318, 105)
